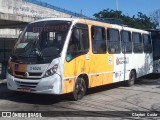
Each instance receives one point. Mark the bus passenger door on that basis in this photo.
(76, 54)
(126, 48)
(113, 45)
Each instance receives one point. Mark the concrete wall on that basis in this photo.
(20, 10)
(23, 8)
(9, 33)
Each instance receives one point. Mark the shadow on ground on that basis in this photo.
(150, 79)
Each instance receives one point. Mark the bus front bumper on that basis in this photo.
(47, 85)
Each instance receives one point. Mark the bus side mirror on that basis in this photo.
(75, 34)
(20, 32)
(75, 27)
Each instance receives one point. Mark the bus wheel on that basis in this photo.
(132, 78)
(79, 89)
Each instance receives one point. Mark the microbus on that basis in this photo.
(70, 55)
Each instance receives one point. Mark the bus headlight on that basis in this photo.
(51, 71)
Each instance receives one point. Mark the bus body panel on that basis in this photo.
(100, 69)
(71, 70)
(98, 74)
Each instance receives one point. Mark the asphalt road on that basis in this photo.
(143, 96)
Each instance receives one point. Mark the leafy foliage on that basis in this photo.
(141, 21)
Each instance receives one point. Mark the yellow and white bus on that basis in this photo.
(69, 55)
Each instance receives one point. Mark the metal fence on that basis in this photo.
(44, 4)
(6, 46)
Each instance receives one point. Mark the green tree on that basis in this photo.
(140, 21)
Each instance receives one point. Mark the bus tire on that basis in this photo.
(132, 78)
(79, 89)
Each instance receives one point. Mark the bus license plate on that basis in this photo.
(25, 89)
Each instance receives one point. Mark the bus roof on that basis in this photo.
(95, 22)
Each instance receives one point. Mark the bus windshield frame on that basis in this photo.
(42, 39)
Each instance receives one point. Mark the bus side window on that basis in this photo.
(137, 42)
(98, 40)
(147, 44)
(113, 41)
(126, 44)
(79, 42)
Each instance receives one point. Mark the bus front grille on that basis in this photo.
(29, 74)
(27, 84)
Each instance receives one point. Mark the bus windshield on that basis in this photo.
(44, 38)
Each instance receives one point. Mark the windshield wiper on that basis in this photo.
(38, 53)
(37, 50)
